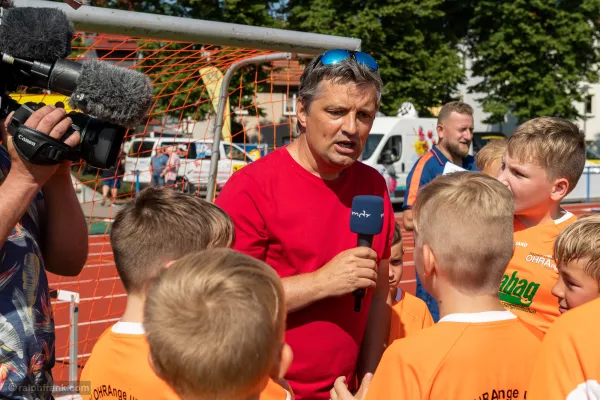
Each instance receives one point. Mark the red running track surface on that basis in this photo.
(103, 296)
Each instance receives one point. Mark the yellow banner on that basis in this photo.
(51, 99)
(213, 78)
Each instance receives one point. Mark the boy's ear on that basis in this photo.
(560, 188)
(283, 363)
(429, 261)
(429, 268)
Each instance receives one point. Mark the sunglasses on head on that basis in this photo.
(336, 56)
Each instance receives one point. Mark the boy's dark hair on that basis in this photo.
(397, 234)
(163, 225)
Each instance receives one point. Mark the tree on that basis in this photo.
(531, 55)
(418, 57)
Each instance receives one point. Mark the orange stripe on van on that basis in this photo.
(416, 178)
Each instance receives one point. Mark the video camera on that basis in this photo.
(34, 44)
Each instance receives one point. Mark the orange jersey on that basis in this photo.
(532, 273)
(569, 362)
(409, 315)
(118, 367)
(275, 391)
(488, 355)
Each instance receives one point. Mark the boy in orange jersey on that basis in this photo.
(460, 256)
(568, 366)
(489, 159)
(577, 255)
(409, 313)
(159, 226)
(542, 164)
(215, 322)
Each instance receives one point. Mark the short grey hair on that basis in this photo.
(343, 72)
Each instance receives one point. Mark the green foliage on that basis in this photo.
(419, 62)
(531, 55)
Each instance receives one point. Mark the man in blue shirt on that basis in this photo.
(451, 154)
(159, 162)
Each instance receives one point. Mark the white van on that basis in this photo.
(195, 160)
(407, 139)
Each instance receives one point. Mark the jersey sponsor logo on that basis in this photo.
(545, 261)
(521, 244)
(514, 290)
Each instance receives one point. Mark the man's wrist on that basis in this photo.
(318, 284)
(21, 187)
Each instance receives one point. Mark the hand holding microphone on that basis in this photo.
(350, 270)
(355, 270)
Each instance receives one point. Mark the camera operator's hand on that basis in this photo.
(351, 269)
(53, 122)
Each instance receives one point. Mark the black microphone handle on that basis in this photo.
(359, 294)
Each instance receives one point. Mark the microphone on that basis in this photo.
(114, 94)
(42, 34)
(366, 220)
(34, 43)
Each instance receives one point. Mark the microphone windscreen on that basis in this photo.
(114, 94)
(42, 34)
(367, 215)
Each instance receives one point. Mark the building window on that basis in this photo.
(589, 102)
(289, 104)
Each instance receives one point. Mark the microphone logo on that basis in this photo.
(361, 214)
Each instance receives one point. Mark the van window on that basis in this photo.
(372, 141)
(203, 150)
(141, 148)
(233, 153)
(394, 144)
(184, 150)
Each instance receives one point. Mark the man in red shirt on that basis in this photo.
(292, 209)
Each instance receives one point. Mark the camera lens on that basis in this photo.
(100, 141)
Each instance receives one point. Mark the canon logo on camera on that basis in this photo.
(29, 142)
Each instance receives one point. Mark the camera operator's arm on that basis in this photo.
(63, 229)
(15, 197)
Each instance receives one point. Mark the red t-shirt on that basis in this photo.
(297, 222)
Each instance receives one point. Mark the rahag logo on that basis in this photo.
(29, 142)
(361, 214)
(517, 291)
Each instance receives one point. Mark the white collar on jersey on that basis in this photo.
(486, 316)
(565, 217)
(130, 328)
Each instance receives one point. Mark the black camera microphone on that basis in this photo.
(33, 44)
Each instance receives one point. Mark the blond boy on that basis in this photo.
(489, 158)
(460, 256)
(159, 226)
(577, 255)
(409, 313)
(542, 164)
(215, 322)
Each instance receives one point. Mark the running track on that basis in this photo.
(103, 297)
